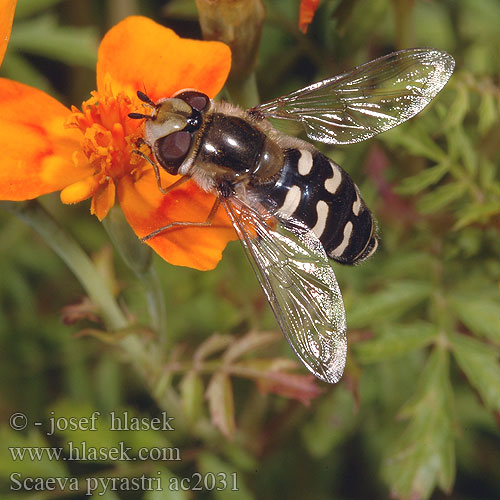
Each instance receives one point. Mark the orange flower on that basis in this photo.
(7, 8)
(89, 153)
(306, 13)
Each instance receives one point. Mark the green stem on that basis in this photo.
(148, 361)
(120, 9)
(403, 10)
(35, 215)
(156, 301)
(138, 257)
(244, 93)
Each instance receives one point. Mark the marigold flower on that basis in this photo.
(88, 153)
(7, 8)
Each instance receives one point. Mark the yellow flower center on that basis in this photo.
(109, 139)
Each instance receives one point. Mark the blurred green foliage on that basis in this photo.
(416, 414)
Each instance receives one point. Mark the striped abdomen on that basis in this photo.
(317, 192)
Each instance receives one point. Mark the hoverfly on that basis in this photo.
(292, 207)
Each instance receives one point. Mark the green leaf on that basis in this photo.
(18, 68)
(192, 396)
(100, 436)
(134, 253)
(331, 423)
(213, 344)
(425, 178)
(415, 139)
(488, 114)
(229, 483)
(458, 109)
(440, 197)
(476, 213)
(388, 304)
(480, 363)
(250, 342)
(460, 146)
(395, 341)
(220, 401)
(242, 458)
(10, 461)
(479, 310)
(408, 264)
(423, 456)
(27, 8)
(487, 176)
(44, 37)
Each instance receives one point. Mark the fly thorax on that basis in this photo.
(234, 148)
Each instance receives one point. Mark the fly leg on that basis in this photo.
(163, 190)
(207, 222)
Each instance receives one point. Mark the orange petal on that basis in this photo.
(7, 8)
(139, 54)
(80, 190)
(306, 15)
(146, 209)
(103, 200)
(36, 148)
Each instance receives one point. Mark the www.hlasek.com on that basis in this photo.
(82, 451)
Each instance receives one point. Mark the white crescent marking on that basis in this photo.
(292, 200)
(333, 183)
(345, 242)
(356, 206)
(305, 162)
(322, 211)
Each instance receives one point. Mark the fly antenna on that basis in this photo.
(144, 98)
(139, 116)
(147, 102)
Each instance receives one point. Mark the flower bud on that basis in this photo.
(237, 23)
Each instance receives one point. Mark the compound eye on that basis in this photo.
(172, 150)
(197, 100)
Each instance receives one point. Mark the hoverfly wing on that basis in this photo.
(370, 99)
(293, 269)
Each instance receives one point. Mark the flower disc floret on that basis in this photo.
(109, 139)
